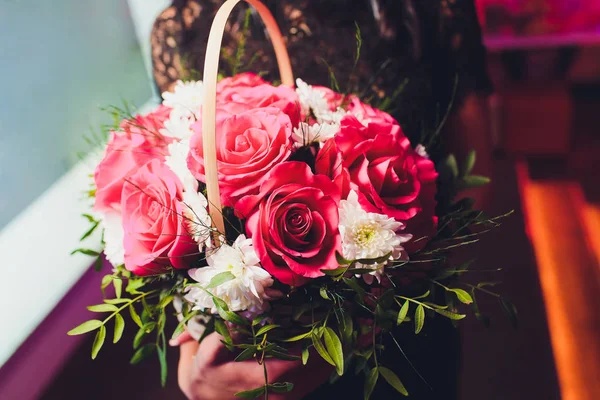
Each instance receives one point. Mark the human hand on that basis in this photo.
(208, 371)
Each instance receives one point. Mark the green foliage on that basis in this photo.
(391, 378)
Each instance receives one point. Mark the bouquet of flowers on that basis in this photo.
(327, 229)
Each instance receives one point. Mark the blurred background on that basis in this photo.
(544, 60)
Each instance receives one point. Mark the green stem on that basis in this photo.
(141, 296)
(414, 301)
(483, 290)
(266, 378)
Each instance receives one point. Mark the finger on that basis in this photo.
(184, 337)
(186, 368)
(213, 352)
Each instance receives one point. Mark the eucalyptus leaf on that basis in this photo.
(87, 326)
(334, 349)
(98, 341)
(370, 382)
(142, 353)
(102, 308)
(220, 279)
(391, 378)
(419, 318)
(119, 328)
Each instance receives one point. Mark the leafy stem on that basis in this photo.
(135, 299)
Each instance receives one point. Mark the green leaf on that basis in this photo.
(376, 260)
(426, 294)
(102, 308)
(119, 327)
(323, 293)
(135, 316)
(341, 260)
(222, 330)
(474, 181)
(354, 285)
(391, 378)
(219, 279)
(227, 315)
(98, 341)
(117, 301)
(334, 348)
(452, 166)
(403, 312)
(89, 231)
(257, 320)
(98, 264)
(143, 353)
(87, 252)
(246, 354)
(87, 326)
(370, 382)
(321, 350)
(251, 394)
(281, 387)
(462, 295)
(510, 310)
(266, 329)
(118, 284)
(90, 218)
(139, 337)
(297, 337)
(449, 314)
(283, 356)
(162, 359)
(347, 328)
(469, 163)
(419, 318)
(133, 285)
(305, 354)
(106, 280)
(165, 301)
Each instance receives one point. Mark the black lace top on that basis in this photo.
(419, 46)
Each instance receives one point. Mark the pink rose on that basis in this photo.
(149, 124)
(249, 145)
(246, 79)
(126, 152)
(293, 222)
(366, 113)
(329, 162)
(155, 231)
(265, 95)
(389, 176)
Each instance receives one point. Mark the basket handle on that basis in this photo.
(209, 109)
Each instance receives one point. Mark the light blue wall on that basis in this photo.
(60, 60)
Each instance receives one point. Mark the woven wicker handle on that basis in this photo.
(211, 68)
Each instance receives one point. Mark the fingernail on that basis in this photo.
(174, 342)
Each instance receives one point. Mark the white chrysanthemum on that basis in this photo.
(311, 99)
(420, 150)
(186, 95)
(113, 238)
(369, 235)
(177, 162)
(332, 117)
(179, 124)
(197, 218)
(246, 291)
(306, 134)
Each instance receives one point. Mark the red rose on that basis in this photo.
(329, 162)
(389, 176)
(366, 113)
(265, 95)
(138, 143)
(293, 222)
(155, 232)
(249, 145)
(246, 79)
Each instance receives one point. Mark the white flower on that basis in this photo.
(311, 99)
(306, 134)
(420, 150)
(332, 117)
(197, 218)
(245, 291)
(177, 162)
(179, 124)
(369, 235)
(113, 238)
(186, 95)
